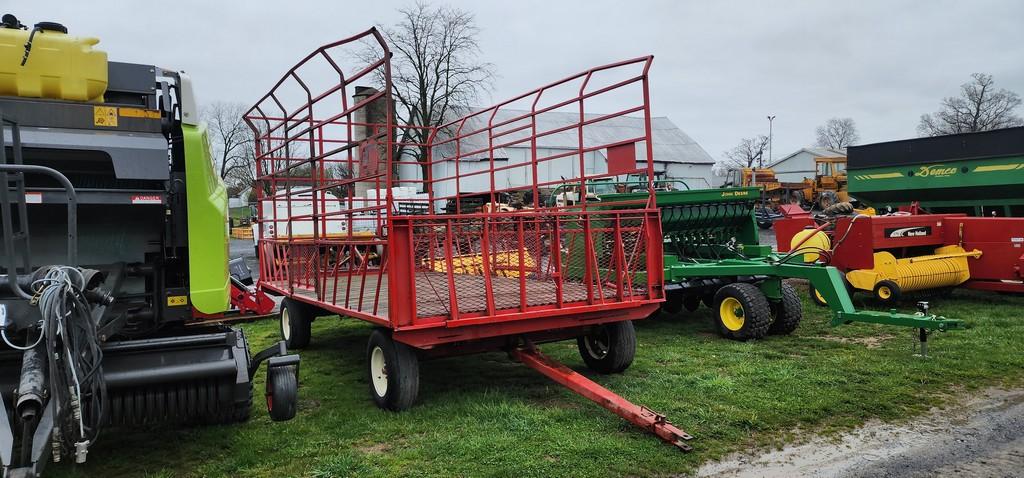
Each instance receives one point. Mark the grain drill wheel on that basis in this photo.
(786, 313)
(393, 371)
(691, 303)
(887, 291)
(608, 348)
(282, 392)
(743, 312)
(673, 303)
(296, 319)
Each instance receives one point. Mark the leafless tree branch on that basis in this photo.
(980, 107)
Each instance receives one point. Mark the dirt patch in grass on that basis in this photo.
(872, 342)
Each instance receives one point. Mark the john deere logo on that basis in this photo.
(939, 171)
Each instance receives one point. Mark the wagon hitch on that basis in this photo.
(638, 415)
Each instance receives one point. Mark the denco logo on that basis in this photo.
(939, 170)
(894, 233)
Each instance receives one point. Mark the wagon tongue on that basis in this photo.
(638, 415)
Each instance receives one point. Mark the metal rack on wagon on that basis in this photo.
(446, 245)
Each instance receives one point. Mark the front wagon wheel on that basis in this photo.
(608, 348)
(393, 371)
(296, 320)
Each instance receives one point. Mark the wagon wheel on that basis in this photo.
(608, 348)
(393, 371)
(296, 320)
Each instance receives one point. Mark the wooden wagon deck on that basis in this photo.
(432, 294)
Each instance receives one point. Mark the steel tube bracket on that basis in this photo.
(638, 415)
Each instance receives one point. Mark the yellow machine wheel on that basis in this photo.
(730, 311)
(816, 296)
(743, 312)
(887, 291)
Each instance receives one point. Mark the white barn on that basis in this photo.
(800, 164)
(675, 153)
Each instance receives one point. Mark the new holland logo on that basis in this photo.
(917, 231)
(938, 171)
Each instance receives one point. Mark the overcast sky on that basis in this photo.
(719, 68)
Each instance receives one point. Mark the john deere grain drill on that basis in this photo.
(114, 241)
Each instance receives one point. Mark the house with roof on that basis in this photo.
(676, 154)
(800, 164)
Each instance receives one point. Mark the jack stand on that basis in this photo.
(640, 416)
(922, 339)
(922, 333)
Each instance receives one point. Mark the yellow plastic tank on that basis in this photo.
(59, 66)
(810, 241)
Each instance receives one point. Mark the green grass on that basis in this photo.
(484, 415)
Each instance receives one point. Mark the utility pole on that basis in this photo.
(771, 118)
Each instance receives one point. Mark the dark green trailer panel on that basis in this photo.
(974, 173)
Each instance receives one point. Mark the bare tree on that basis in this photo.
(747, 154)
(837, 133)
(230, 139)
(435, 71)
(980, 107)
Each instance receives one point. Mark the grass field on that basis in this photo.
(485, 415)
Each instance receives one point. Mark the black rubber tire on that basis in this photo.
(691, 303)
(708, 300)
(765, 225)
(786, 313)
(673, 303)
(826, 199)
(401, 372)
(299, 318)
(282, 392)
(894, 289)
(608, 348)
(757, 316)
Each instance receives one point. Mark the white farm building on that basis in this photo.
(676, 154)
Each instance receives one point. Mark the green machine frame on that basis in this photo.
(711, 241)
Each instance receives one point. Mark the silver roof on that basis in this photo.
(671, 144)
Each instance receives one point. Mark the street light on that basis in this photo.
(770, 119)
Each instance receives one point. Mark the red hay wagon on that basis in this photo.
(446, 238)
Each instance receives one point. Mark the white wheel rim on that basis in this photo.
(286, 324)
(379, 372)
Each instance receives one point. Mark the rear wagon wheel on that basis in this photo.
(296, 319)
(393, 371)
(608, 348)
(742, 312)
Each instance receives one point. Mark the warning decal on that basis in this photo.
(147, 199)
(104, 116)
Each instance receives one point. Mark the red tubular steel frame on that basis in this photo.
(470, 260)
(456, 242)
